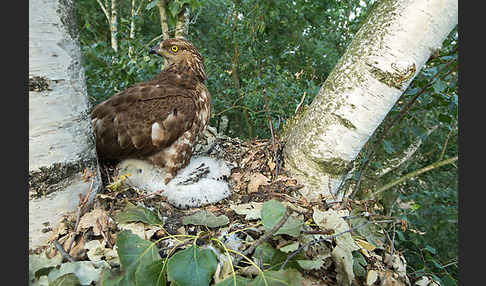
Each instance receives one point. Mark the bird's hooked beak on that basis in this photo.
(154, 49)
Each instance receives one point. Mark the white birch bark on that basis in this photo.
(114, 25)
(163, 19)
(112, 19)
(133, 13)
(182, 24)
(381, 61)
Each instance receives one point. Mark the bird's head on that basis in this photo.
(181, 52)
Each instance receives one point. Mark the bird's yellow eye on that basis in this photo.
(174, 48)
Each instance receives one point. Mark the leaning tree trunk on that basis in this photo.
(381, 61)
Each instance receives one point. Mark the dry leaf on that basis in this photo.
(365, 244)
(271, 164)
(89, 220)
(251, 211)
(256, 180)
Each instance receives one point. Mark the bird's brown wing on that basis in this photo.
(142, 120)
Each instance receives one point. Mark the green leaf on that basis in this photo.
(69, 279)
(153, 274)
(86, 271)
(240, 281)
(200, 264)
(445, 118)
(174, 7)
(136, 213)
(267, 255)
(135, 253)
(430, 249)
(111, 278)
(151, 5)
(206, 218)
(439, 86)
(285, 277)
(388, 146)
(272, 212)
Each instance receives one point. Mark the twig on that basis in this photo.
(264, 237)
(317, 241)
(144, 196)
(445, 145)
(274, 149)
(103, 233)
(414, 173)
(269, 119)
(82, 203)
(63, 252)
(297, 109)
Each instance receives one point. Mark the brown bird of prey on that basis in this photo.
(159, 120)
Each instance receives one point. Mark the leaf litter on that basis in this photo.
(128, 237)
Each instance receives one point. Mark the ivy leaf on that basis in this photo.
(272, 212)
(135, 253)
(285, 277)
(136, 213)
(151, 5)
(199, 263)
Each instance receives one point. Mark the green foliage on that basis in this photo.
(200, 263)
(432, 216)
(136, 255)
(272, 212)
(137, 213)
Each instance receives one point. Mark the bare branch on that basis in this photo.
(317, 241)
(104, 11)
(394, 163)
(415, 173)
(264, 237)
(61, 250)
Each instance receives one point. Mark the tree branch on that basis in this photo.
(264, 237)
(414, 173)
(394, 163)
(317, 241)
(104, 11)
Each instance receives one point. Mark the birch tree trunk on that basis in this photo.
(114, 25)
(381, 61)
(112, 19)
(134, 13)
(182, 24)
(163, 19)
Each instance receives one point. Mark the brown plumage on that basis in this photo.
(158, 120)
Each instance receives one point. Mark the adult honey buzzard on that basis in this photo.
(158, 120)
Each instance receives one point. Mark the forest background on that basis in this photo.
(288, 48)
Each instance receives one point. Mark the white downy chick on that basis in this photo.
(203, 181)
